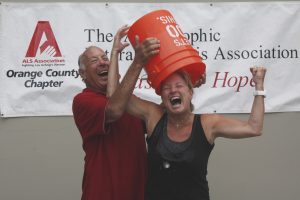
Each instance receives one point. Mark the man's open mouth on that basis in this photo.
(103, 73)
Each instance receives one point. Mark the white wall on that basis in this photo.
(41, 158)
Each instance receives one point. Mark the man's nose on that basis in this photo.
(102, 62)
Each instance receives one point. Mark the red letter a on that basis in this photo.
(43, 28)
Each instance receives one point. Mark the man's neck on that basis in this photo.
(97, 90)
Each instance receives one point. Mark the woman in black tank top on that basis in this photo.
(177, 170)
(180, 142)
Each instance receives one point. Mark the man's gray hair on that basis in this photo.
(82, 56)
(80, 61)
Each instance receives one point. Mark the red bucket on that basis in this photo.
(176, 52)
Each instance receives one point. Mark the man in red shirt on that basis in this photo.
(113, 141)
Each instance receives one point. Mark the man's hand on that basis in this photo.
(118, 46)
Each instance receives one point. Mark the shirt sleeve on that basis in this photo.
(89, 115)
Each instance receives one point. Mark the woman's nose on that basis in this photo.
(172, 89)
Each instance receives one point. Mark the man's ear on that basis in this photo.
(82, 74)
(191, 92)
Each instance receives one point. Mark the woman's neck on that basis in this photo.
(182, 120)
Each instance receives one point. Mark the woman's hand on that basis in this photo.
(258, 75)
(145, 50)
(200, 81)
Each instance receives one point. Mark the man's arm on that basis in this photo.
(113, 71)
(120, 97)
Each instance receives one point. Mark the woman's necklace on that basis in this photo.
(182, 122)
(179, 124)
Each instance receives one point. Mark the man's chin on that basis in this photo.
(103, 82)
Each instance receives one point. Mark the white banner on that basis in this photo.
(40, 44)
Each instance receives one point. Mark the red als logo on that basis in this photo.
(43, 42)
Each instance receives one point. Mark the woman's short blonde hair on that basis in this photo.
(187, 79)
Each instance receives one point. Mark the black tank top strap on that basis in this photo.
(159, 128)
(200, 131)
